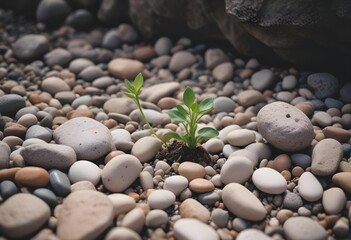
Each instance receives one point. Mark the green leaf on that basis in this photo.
(207, 132)
(182, 110)
(195, 107)
(129, 85)
(138, 82)
(189, 97)
(176, 115)
(129, 94)
(168, 136)
(206, 105)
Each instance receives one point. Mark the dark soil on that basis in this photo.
(178, 152)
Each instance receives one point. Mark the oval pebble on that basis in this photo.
(201, 185)
(46, 195)
(309, 187)
(84, 171)
(146, 148)
(245, 153)
(122, 203)
(7, 189)
(304, 228)
(59, 182)
(220, 217)
(334, 200)
(190, 208)
(269, 181)
(175, 184)
(191, 170)
(32, 177)
(241, 137)
(193, 229)
(213, 146)
(134, 219)
(237, 169)
(252, 234)
(161, 199)
(156, 218)
(4, 155)
(343, 180)
(122, 233)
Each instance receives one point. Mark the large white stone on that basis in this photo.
(269, 181)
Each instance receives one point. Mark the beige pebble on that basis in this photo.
(201, 185)
(191, 170)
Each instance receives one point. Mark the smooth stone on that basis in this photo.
(309, 187)
(292, 201)
(124, 68)
(9, 173)
(54, 85)
(262, 79)
(156, 218)
(339, 134)
(127, 33)
(10, 104)
(214, 57)
(176, 184)
(146, 180)
(193, 229)
(83, 170)
(209, 198)
(323, 119)
(27, 120)
(122, 203)
(181, 60)
(146, 148)
(252, 234)
(59, 182)
(4, 155)
(65, 97)
(246, 153)
(82, 185)
(161, 199)
(220, 217)
(269, 181)
(280, 163)
(158, 91)
(323, 84)
(81, 19)
(102, 82)
(285, 126)
(93, 208)
(343, 180)
(120, 172)
(262, 150)
(301, 160)
(90, 139)
(23, 214)
(8, 189)
(119, 105)
(78, 64)
(91, 73)
(82, 100)
(243, 203)
(241, 137)
(289, 82)
(237, 169)
(49, 156)
(213, 146)
(341, 227)
(32, 177)
(46, 195)
(223, 104)
(223, 72)
(190, 208)
(191, 170)
(122, 139)
(155, 118)
(111, 40)
(345, 93)
(40, 132)
(122, 233)
(52, 12)
(58, 56)
(201, 185)
(135, 220)
(326, 157)
(30, 47)
(223, 133)
(334, 200)
(304, 228)
(163, 46)
(250, 97)
(161, 62)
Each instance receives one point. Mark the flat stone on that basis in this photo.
(285, 126)
(156, 218)
(120, 233)
(262, 79)
(323, 84)
(59, 182)
(135, 220)
(181, 60)
(193, 229)
(119, 105)
(252, 234)
(122, 203)
(46, 195)
(146, 148)
(155, 92)
(237, 169)
(343, 180)
(58, 56)
(269, 181)
(224, 72)
(93, 208)
(326, 157)
(89, 138)
(250, 97)
(161, 199)
(243, 203)
(304, 228)
(120, 172)
(241, 137)
(214, 57)
(309, 187)
(10, 104)
(334, 200)
(176, 184)
(54, 85)
(124, 68)
(191, 170)
(49, 156)
(201, 185)
(84, 171)
(30, 47)
(223, 104)
(191, 208)
(23, 214)
(32, 177)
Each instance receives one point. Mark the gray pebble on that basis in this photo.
(59, 182)
(301, 160)
(91, 73)
(46, 195)
(209, 198)
(52, 12)
(7, 189)
(214, 57)
(58, 56)
(289, 82)
(292, 201)
(262, 79)
(80, 19)
(111, 40)
(40, 132)
(77, 65)
(345, 93)
(10, 104)
(30, 47)
(304, 228)
(4, 155)
(163, 46)
(239, 224)
(224, 104)
(323, 84)
(220, 217)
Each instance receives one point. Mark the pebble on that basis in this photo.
(146, 148)
(91, 73)
(58, 56)
(224, 72)
(161, 199)
(93, 208)
(309, 187)
(289, 82)
(269, 181)
(155, 118)
(59, 182)
(190, 208)
(135, 220)
(262, 79)
(343, 180)
(111, 40)
(46, 195)
(283, 215)
(30, 47)
(23, 214)
(32, 177)
(292, 201)
(285, 127)
(237, 169)
(344, 93)
(300, 159)
(84, 171)
(243, 203)
(223, 104)
(280, 163)
(120, 172)
(252, 234)
(193, 229)
(245, 153)
(49, 156)
(80, 19)
(214, 57)
(7, 189)
(146, 181)
(241, 137)
(8, 174)
(334, 200)
(163, 46)
(181, 60)
(341, 227)
(121, 233)
(262, 150)
(52, 12)
(323, 119)
(27, 120)
(10, 104)
(124, 68)
(78, 64)
(326, 157)
(220, 217)
(191, 170)
(89, 138)
(323, 84)
(122, 203)
(4, 155)
(213, 146)
(156, 92)
(119, 105)
(303, 228)
(209, 198)
(40, 132)
(250, 97)
(201, 185)
(82, 185)
(127, 33)
(175, 184)
(339, 134)
(102, 82)
(156, 218)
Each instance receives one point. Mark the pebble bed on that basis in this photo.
(77, 162)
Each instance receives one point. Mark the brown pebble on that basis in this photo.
(191, 170)
(110, 123)
(34, 98)
(286, 174)
(306, 107)
(15, 129)
(242, 119)
(246, 73)
(201, 185)
(112, 155)
(297, 171)
(227, 120)
(319, 136)
(282, 162)
(80, 113)
(338, 134)
(284, 215)
(32, 177)
(134, 195)
(343, 180)
(8, 174)
(144, 53)
(167, 103)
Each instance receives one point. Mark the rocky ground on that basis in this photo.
(77, 162)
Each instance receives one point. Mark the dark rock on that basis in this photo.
(111, 40)
(47, 196)
(59, 182)
(80, 19)
(30, 47)
(58, 56)
(53, 12)
(113, 12)
(10, 104)
(7, 189)
(127, 33)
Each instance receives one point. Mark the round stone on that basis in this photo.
(7, 189)
(124, 68)
(323, 84)
(30, 47)
(250, 97)
(120, 233)
(193, 229)
(54, 85)
(58, 56)
(201, 185)
(304, 228)
(223, 104)
(37, 131)
(175, 184)
(262, 79)
(121, 203)
(245, 153)
(32, 177)
(214, 145)
(214, 57)
(237, 169)
(334, 200)
(135, 220)
(190, 208)
(156, 218)
(161, 199)
(59, 182)
(343, 180)
(91, 73)
(84, 171)
(309, 187)
(181, 60)
(269, 181)
(191, 170)
(119, 105)
(252, 234)
(47, 196)
(289, 82)
(4, 155)
(241, 137)
(120, 172)
(220, 217)
(163, 46)
(146, 148)
(223, 72)
(78, 64)
(285, 126)
(10, 104)
(52, 12)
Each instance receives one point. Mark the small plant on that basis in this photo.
(189, 116)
